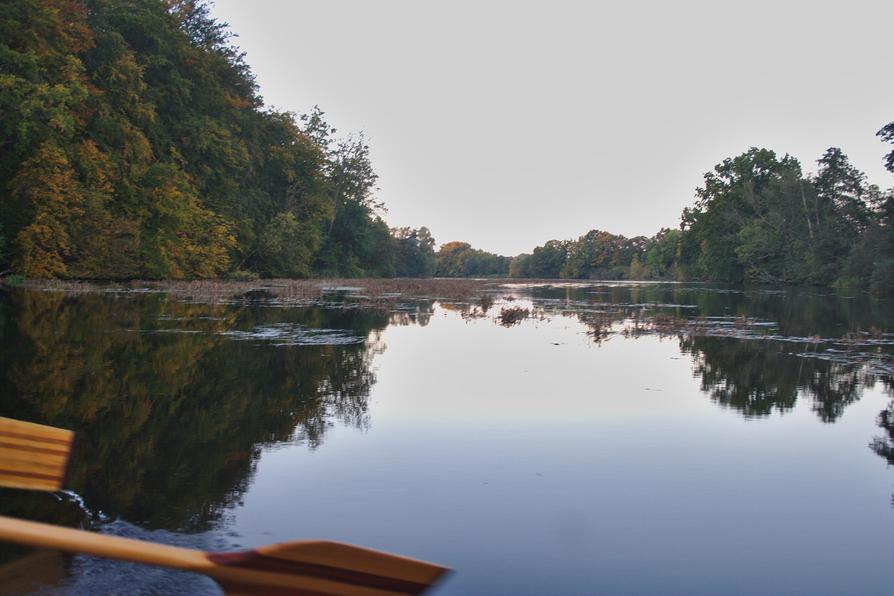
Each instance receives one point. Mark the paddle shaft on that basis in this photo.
(234, 579)
(114, 547)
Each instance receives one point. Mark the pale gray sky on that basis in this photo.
(506, 124)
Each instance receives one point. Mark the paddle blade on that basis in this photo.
(327, 568)
(33, 456)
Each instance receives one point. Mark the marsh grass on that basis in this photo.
(513, 315)
(293, 291)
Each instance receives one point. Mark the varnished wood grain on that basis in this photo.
(33, 456)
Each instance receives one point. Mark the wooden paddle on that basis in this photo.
(34, 456)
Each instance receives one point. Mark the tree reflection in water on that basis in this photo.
(884, 445)
(173, 410)
(758, 378)
(172, 415)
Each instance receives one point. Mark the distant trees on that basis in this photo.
(545, 262)
(596, 254)
(414, 252)
(757, 218)
(599, 254)
(459, 259)
(548, 260)
(661, 254)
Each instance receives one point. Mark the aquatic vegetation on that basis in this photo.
(513, 315)
(291, 292)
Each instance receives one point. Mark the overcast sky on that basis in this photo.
(506, 124)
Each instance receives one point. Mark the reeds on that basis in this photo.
(292, 291)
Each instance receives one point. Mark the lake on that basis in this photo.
(599, 438)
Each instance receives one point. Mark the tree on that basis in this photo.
(459, 259)
(662, 253)
(47, 187)
(887, 135)
(180, 237)
(414, 252)
(135, 144)
(871, 260)
(844, 189)
(451, 259)
(285, 248)
(520, 266)
(731, 196)
(599, 254)
(547, 261)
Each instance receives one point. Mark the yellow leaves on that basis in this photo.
(46, 184)
(183, 239)
(236, 101)
(71, 231)
(70, 22)
(95, 167)
(127, 73)
(208, 245)
(42, 248)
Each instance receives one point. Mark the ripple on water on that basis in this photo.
(289, 334)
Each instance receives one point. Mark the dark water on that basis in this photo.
(656, 439)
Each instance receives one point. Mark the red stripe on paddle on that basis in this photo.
(4, 433)
(30, 475)
(19, 447)
(258, 562)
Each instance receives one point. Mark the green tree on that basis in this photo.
(728, 200)
(602, 255)
(662, 252)
(887, 135)
(286, 247)
(547, 261)
(459, 259)
(414, 252)
(520, 266)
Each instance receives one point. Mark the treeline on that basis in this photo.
(459, 259)
(596, 254)
(135, 144)
(757, 218)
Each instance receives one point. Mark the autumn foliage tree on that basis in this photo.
(135, 143)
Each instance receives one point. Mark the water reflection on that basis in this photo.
(758, 379)
(171, 424)
(796, 312)
(177, 402)
(884, 445)
(755, 351)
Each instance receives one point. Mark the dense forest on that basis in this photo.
(135, 144)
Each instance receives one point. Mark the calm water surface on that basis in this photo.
(624, 439)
